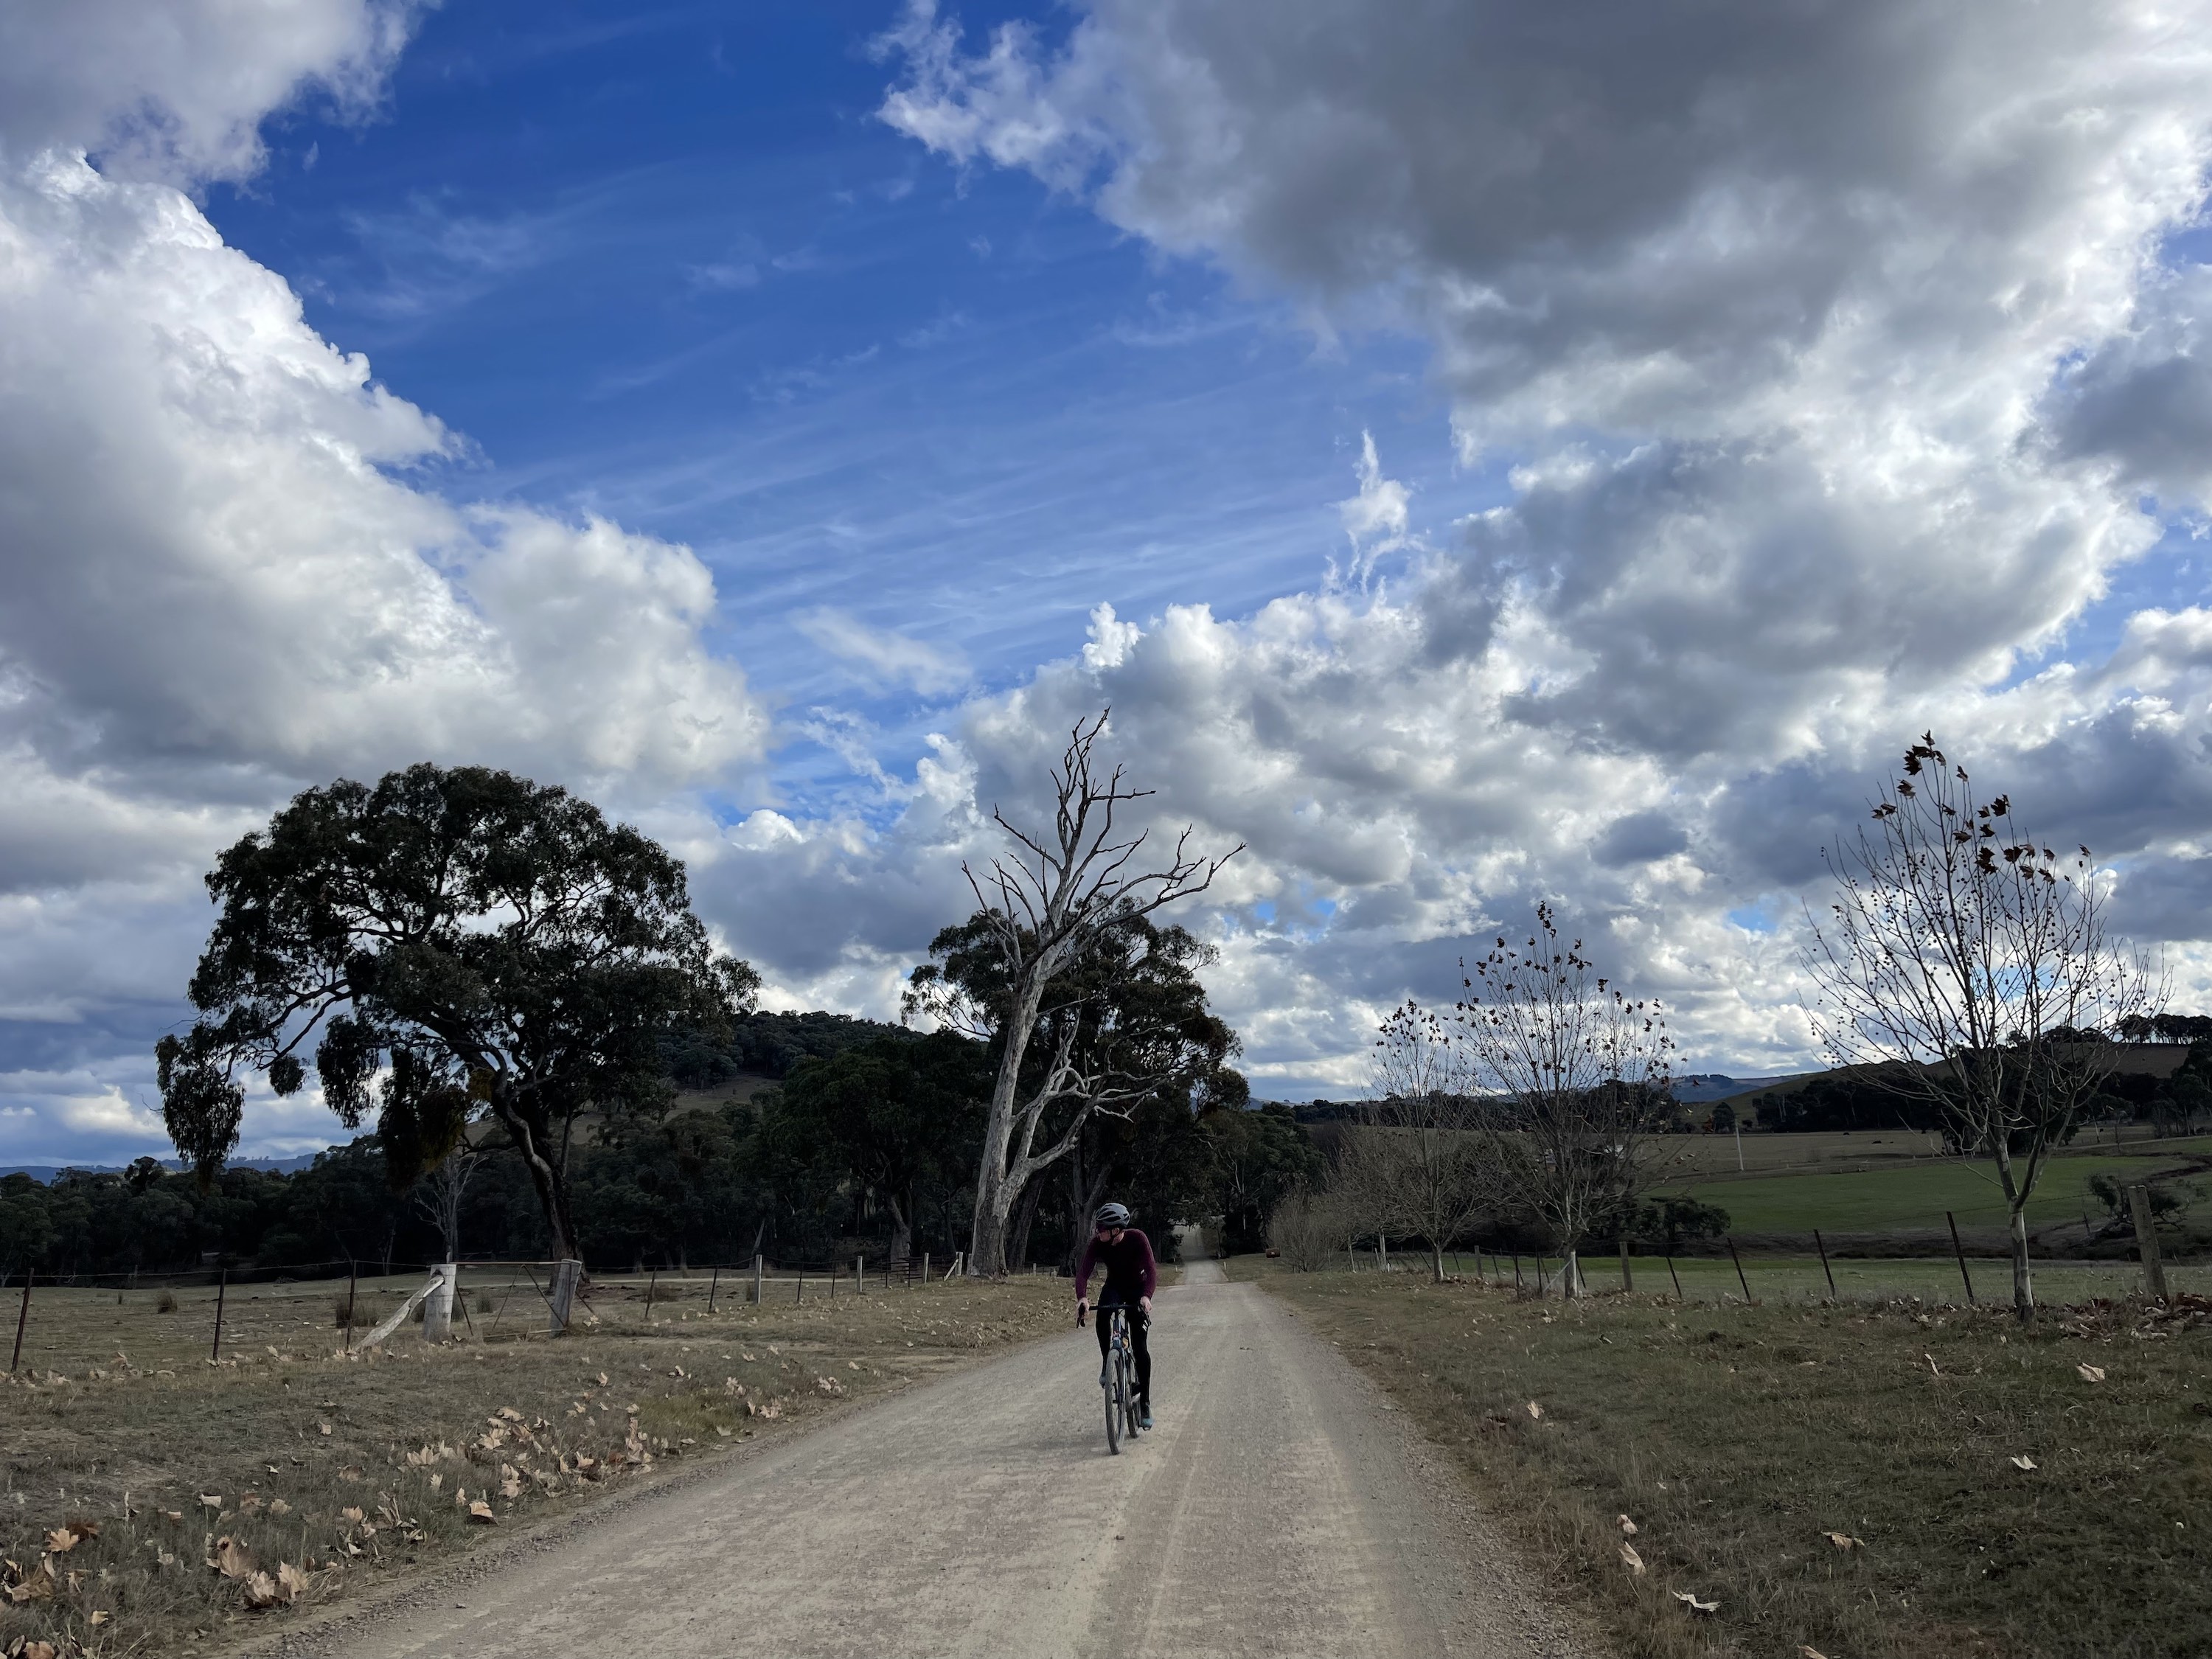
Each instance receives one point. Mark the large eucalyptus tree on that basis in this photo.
(455, 943)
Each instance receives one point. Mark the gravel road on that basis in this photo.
(1280, 1509)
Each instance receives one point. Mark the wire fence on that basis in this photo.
(1959, 1281)
(489, 1298)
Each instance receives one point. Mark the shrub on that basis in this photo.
(1305, 1229)
(166, 1303)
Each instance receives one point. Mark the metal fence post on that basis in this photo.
(222, 1285)
(23, 1315)
(1960, 1255)
(1822, 1245)
(711, 1283)
(1740, 1279)
(757, 1279)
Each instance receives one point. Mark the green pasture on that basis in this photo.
(1914, 1197)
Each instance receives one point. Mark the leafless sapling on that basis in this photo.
(1571, 1075)
(1967, 964)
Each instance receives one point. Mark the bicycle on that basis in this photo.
(1118, 1380)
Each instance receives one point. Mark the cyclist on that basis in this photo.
(1132, 1276)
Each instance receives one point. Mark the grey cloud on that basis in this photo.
(2143, 398)
(1640, 838)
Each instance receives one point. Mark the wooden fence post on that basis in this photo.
(1961, 1254)
(859, 1275)
(23, 1315)
(652, 1280)
(711, 1283)
(1516, 1272)
(757, 1279)
(1822, 1245)
(438, 1306)
(1676, 1277)
(925, 1267)
(353, 1284)
(1627, 1277)
(561, 1302)
(2146, 1242)
(221, 1286)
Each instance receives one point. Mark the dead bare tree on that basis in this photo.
(1969, 965)
(1571, 1075)
(1047, 906)
(439, 1193)
(1416, 1161)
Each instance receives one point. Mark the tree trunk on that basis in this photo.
(1436, 1261)
(901, 1225)
(2023, 1284)
(994, 1201)
(1018, 1251)
(530, 1140)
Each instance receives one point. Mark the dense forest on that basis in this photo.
(810, 1138)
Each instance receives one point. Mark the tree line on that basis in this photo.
(514, 991)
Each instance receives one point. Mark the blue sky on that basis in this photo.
(666, 264)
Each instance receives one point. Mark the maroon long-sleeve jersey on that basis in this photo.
(1131, 1272)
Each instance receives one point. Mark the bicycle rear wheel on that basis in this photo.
(1113, 1391)
(1132, 1413)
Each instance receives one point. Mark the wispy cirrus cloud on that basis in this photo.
(883, 656)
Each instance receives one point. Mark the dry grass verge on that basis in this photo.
(1853, 1482)
(156, 1503)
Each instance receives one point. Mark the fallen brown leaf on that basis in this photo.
(1844, 1540)
(1630, 1560)
(1535, 1411)
(260, 1591)
(2090, 1373)
(61, 1541)
(2023, 1462)
(1690, 1601)
(1627, 1526)
(481, 1511)
(233, 1559)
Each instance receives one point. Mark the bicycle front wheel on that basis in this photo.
(1131, 1417)
(1113, 1392)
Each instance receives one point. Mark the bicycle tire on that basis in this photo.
(1132, 1425)
(1113, 1407)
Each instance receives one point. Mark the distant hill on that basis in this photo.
(1703, 1088)
(46, 1173)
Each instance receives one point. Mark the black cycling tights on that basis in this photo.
(1139, 1326)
